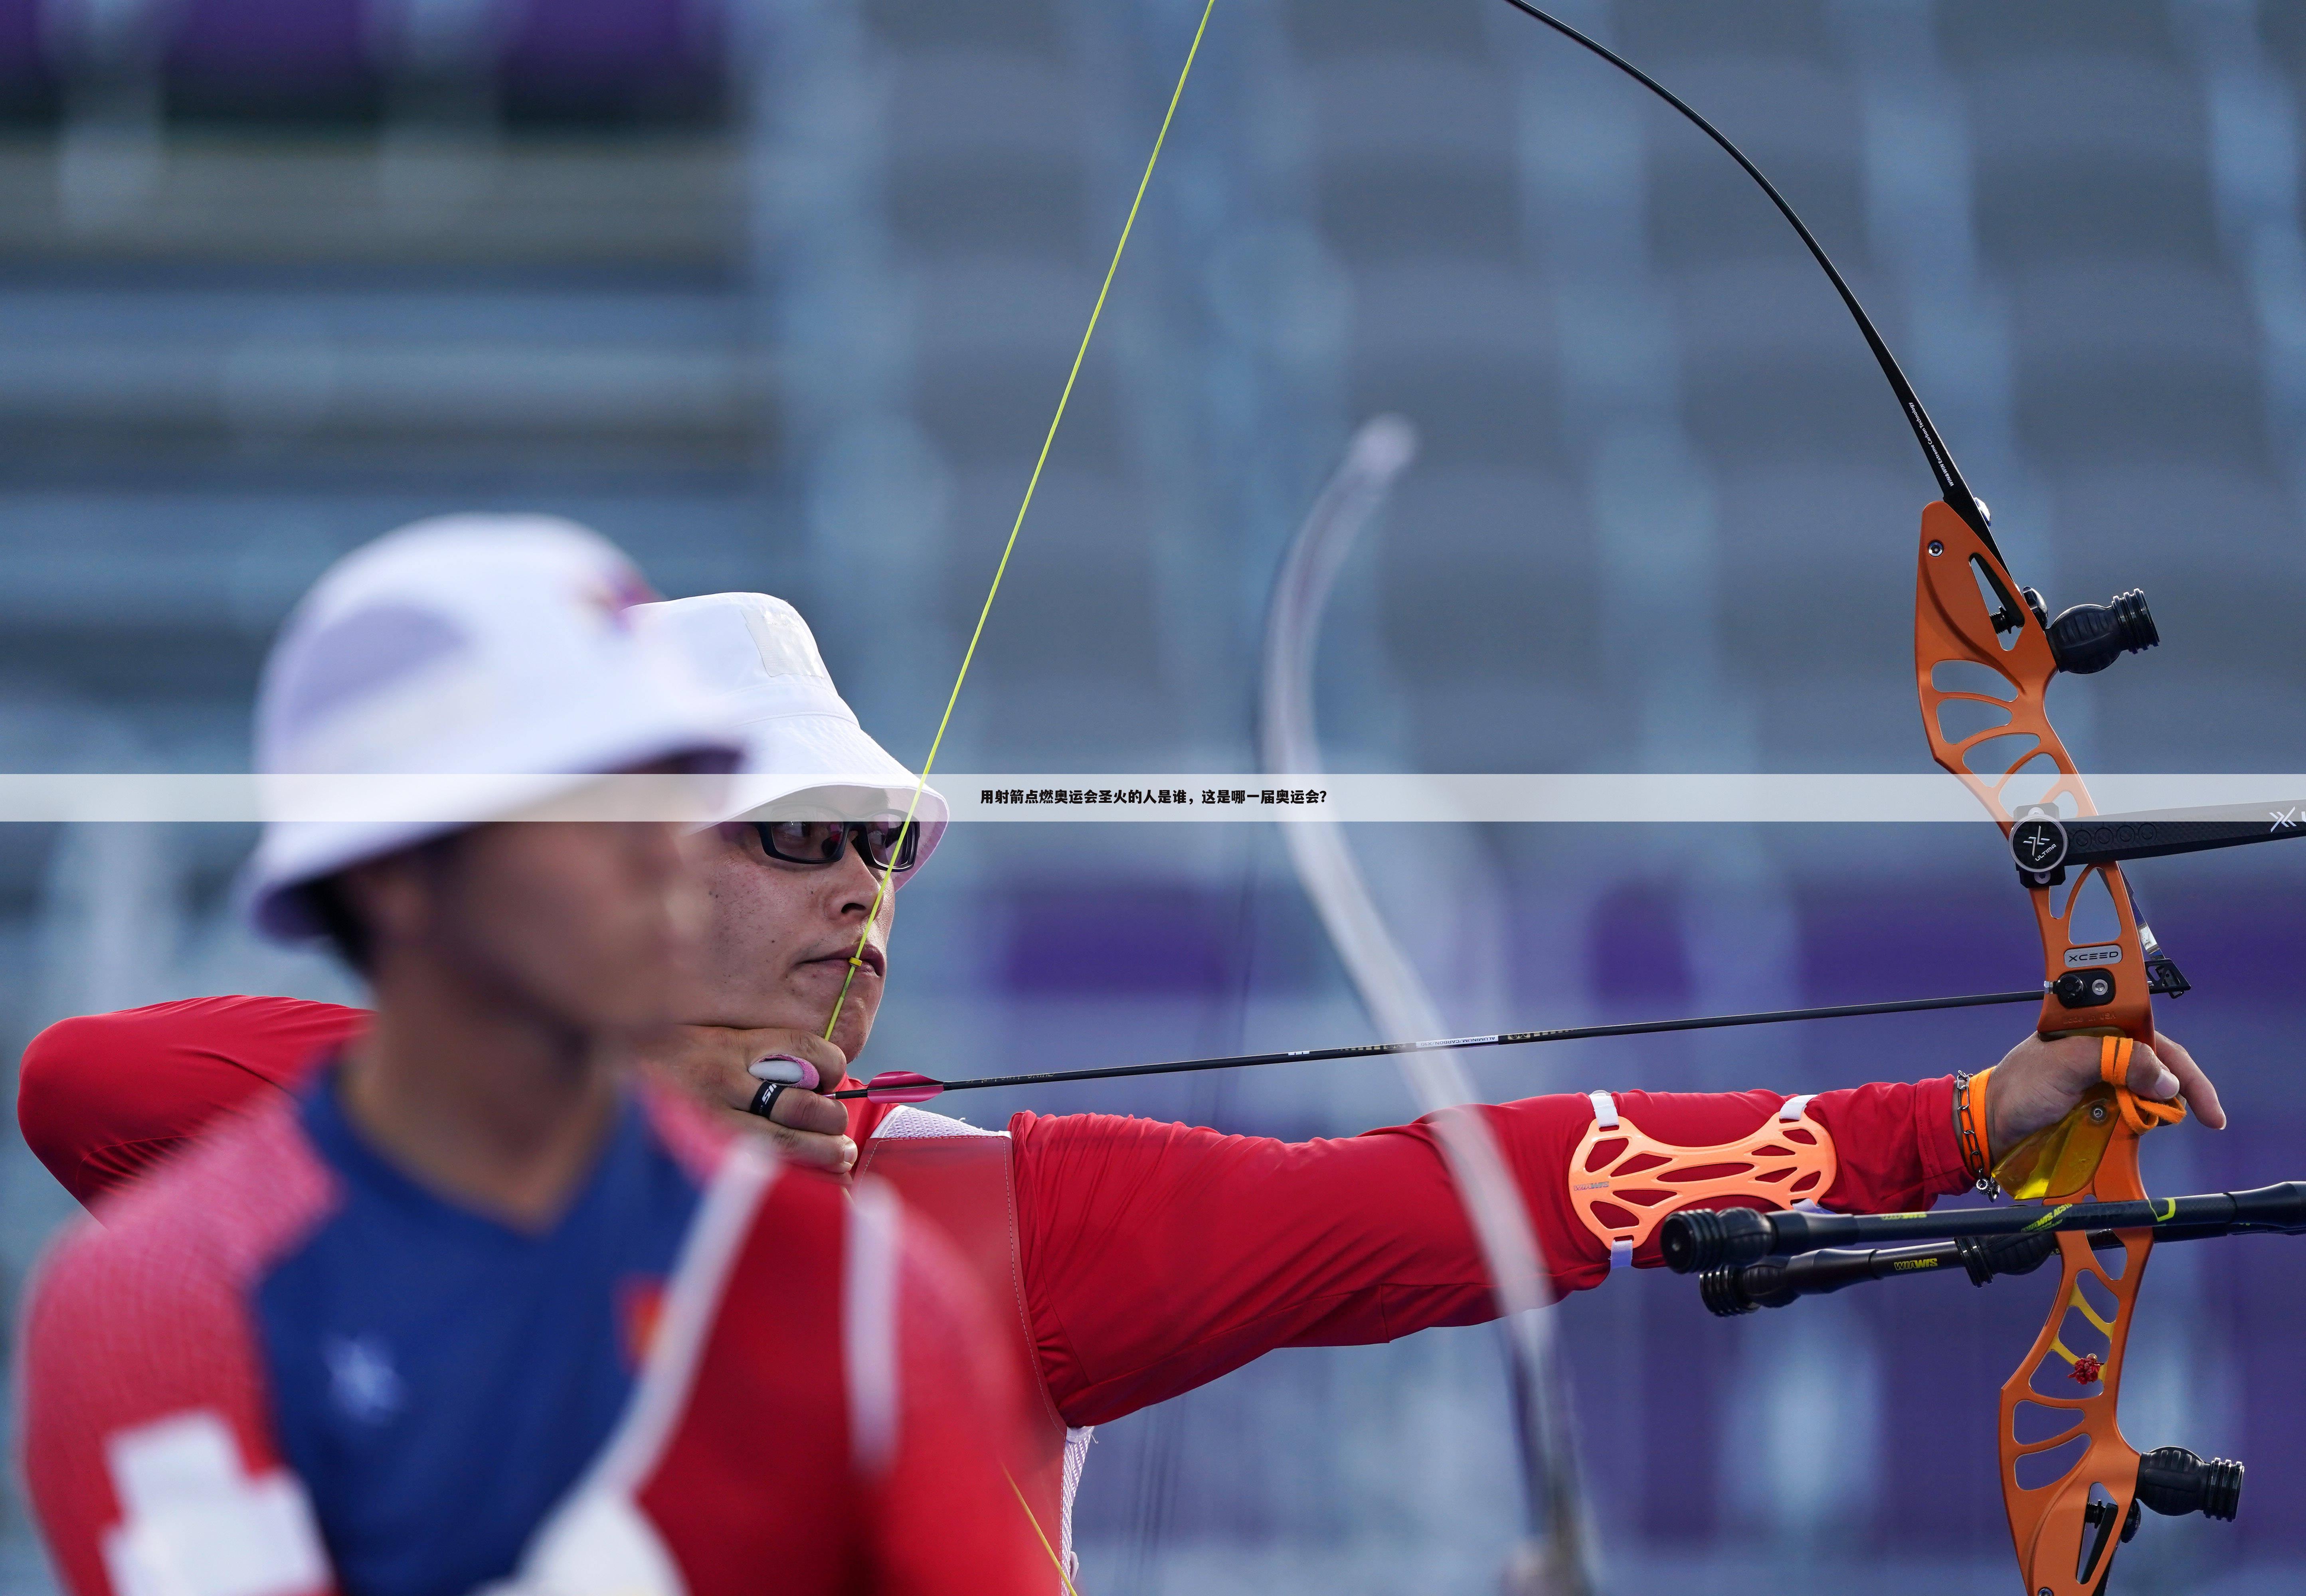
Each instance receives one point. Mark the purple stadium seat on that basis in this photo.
(271, 55)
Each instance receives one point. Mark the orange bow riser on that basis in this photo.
(1982, 660)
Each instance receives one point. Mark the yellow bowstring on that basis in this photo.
(1041, 1534)
(857, 958)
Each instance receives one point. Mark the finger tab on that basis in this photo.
(787, 1068)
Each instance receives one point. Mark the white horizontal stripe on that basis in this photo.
(1647, 799)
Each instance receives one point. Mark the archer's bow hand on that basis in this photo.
(2040, 1082)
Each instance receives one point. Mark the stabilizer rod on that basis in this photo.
(1699, 1238)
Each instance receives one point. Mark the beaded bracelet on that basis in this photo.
(1970, 1130)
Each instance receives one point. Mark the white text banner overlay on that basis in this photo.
(1633, 798)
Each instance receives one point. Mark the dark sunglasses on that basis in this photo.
(883, 844)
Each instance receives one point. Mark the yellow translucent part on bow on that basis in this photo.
(2059, 1160)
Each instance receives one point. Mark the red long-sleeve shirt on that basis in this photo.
(175, 1416)
(1156, 1257)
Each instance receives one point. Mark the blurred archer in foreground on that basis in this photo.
(462, 1307)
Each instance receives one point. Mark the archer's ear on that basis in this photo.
(393, 900)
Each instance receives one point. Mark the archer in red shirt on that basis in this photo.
(1155, 1257)
(1145, 1258)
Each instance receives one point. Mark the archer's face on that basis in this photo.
(779, 936)
(587, 922)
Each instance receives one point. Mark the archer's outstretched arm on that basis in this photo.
(1158, 1257)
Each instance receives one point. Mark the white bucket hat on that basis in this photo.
(496, 656)
(806, 756)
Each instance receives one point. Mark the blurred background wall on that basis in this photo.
(778, 294)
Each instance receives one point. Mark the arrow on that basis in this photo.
(904, 1086)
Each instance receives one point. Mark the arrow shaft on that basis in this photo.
(1582, 1033)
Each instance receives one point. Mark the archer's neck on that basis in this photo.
(483, 1098)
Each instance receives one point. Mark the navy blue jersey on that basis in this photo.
(419, 1355)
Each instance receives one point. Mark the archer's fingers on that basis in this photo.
(2148, 1076)
(835, 1155)
(829, 1061)
(814, 1149)
(2194, 1085)
(807, 1111)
